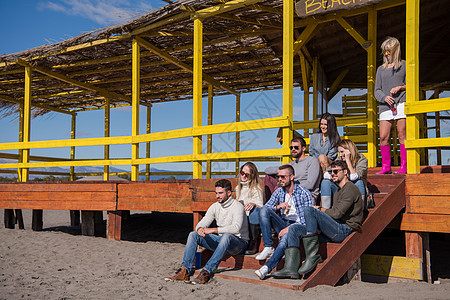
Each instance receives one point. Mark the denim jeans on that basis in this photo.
(328, 187)
(331, 228)
(220, 244)
(295, 234)
(253, 217)
(278, 254)
(267, 219)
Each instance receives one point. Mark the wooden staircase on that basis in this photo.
(389, 198)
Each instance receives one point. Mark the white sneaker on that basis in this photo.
(267, 252)
(262, 273)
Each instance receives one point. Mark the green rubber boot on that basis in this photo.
(311, 244)
(291, 264)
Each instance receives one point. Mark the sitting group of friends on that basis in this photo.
(292, 191)
(291, 212)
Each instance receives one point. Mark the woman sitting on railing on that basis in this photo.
(249, 192)
(323, 145)
(390, 91)
(357, 165)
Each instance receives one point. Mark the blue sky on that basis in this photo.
(26, 24)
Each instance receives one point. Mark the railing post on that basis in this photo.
(412, 80)
(73, 127)
(135, 69)
(371, 102)
(238, 135)
(107, 134)
(197, 94)
(288, 73)
(147, 145)
(209, 136)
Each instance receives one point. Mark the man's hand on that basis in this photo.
(249, 206)
(283, 205)
(201, 231)
(283, 232)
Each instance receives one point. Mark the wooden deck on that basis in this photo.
(424, 198)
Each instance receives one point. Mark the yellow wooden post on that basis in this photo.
(197, 95)
(135, 69)
(209, 136)
(26, 122)
(371, 102)
(305, 81)
(288, 73)
(238, 136)
(20, 160)
(315, 86)
(412, 80)
(147, 145)
(107, 134)
(72, 149)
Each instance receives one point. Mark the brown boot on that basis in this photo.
(181, 274)
(202, 278)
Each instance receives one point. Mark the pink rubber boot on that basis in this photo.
(403, 169)
(385, 160)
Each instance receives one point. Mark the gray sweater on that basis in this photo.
(388, 78)
(307, 173)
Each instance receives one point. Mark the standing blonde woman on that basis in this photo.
(249, 192)
(390, 91)
(357, 165)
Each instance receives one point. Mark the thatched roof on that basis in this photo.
(241, 48)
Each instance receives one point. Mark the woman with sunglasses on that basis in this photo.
(357, 165)
(249, 192)
(390, 86)
(323, 145)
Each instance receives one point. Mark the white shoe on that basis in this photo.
(262, 273)
(267, 252)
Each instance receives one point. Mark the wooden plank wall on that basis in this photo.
(427, 203)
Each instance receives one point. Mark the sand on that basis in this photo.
(57, 263)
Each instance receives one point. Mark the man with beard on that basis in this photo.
(230, 236)
(289, 200)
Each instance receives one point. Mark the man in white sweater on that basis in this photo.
(230, 236)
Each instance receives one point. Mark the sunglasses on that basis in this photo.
(245, 174)
(294, 147)
(282, 176)
(335, 171)
(387, 52)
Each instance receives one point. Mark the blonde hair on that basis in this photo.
(350, 146)
(254, 182)
(393, 45)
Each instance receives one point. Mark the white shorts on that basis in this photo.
(388, 115)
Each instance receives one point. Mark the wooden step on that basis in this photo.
(333, 268)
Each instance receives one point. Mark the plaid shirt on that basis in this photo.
(301, 197)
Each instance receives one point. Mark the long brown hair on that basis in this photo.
(354, 153)
(253, 181)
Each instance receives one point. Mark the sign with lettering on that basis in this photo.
(307, 8)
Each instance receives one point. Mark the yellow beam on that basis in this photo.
(156, 136)
(222, 8)
(315, 85)
(371, 101)
(305, 36)
(412, 83)
(26, 122)
(352, 31)
(288, 74)
(335, 84)
(182, 65)
(392, 266)
(9, 99)
(66, 79)
(72, 149)
(135, 74)
(197, 95)
(427, 106)
(107, 134)
(305, 81)
(237, 134)
(427, 143)
(210, 121)
(147, 145)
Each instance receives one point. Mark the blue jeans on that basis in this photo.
(295, 234)
(220, 244)
(253, 217)
(328, 187)
(334, 230)
(267, 219)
